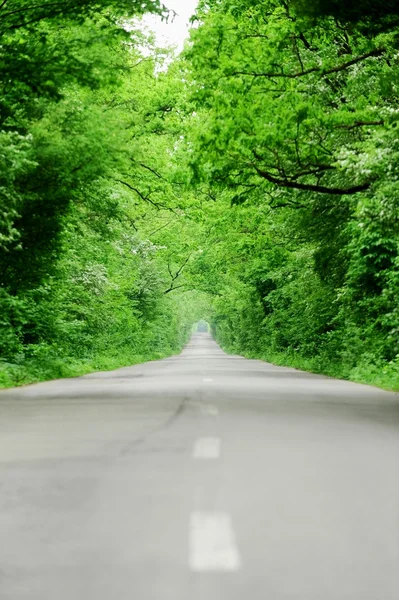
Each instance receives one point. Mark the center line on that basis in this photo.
(207, 380)
(207, 448)
(209, 410)
(212, 544)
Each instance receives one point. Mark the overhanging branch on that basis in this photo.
(175, 277)
(322, 72)
(308, 187)
(357, 124)
(140, 194)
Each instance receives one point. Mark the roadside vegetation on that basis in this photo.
(252, 182)
(90, 244)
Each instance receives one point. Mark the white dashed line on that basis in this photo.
(207, 380)
(209, 410)
(212, 543)
(207, 448)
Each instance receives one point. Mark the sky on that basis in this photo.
(173, 33)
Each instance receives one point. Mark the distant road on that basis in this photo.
(199, 477)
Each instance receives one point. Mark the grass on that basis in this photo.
(49, 366)
(35, 370)
(382, 374)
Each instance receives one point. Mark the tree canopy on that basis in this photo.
(251, 182)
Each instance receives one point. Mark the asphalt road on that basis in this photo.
(199, 477)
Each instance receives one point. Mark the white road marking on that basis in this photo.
(209, 410)
(212, 543)
(207, 448)
(207, 380)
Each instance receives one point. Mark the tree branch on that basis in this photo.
(174, 277)
(162, 227)
(176, 287)
(354, 61)
(145, 198)
(29, 8)
(323, 72)
(153, 171)
(320, 189)
(361, 124)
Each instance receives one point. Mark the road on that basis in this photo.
(199, 477)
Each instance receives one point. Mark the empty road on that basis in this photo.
(199, 477)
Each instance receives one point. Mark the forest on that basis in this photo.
(251, 181)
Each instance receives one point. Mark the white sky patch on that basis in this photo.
(175, 32)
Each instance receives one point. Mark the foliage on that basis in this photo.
(369, 13)
(297, 121)
(252, 182)
(87, 263)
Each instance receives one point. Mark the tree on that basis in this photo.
(297, 115)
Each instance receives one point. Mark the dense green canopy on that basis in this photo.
(349, 10)
(297, 125)
(251, 182)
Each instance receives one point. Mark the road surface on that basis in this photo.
(199, 477)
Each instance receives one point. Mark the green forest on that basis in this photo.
(251, 181)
